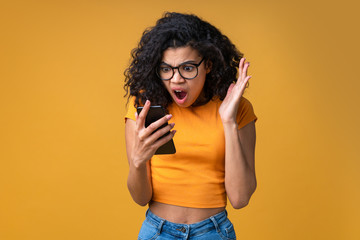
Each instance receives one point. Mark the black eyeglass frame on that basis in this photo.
(172, 68)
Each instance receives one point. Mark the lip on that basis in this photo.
(178, 88)
(177, 100)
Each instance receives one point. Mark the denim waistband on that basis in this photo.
(182, 230)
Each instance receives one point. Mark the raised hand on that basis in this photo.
(229, 107)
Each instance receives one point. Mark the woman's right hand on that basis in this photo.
(146, 142)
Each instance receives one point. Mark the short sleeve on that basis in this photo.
(245, 113)
(131, 109)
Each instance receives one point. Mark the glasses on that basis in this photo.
(186, 70)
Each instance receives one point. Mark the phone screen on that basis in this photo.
(154, 114)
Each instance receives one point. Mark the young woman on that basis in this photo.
(187, 66)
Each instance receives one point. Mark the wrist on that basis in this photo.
(138, 164)
(229, 123)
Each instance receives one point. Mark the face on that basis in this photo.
(184, 92)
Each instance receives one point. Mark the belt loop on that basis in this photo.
(160, 226)
(215, 223)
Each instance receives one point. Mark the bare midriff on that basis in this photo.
(182, 215)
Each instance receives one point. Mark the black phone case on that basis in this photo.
(154, 114)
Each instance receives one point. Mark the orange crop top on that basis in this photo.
(195, 175)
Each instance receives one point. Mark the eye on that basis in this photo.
(165, 69)
(188, 67)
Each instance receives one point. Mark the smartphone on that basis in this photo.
(154, 114)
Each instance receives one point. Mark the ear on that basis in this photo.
(208, 66)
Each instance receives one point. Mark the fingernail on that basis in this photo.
(168, 116)
(172, 125)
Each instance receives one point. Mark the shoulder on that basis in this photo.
(245, 113)
(131, 109)
(245, 104)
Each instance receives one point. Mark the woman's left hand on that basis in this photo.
(229, 107)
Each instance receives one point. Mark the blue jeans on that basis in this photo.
(217, 227)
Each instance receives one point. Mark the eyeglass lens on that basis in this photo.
(187, 71)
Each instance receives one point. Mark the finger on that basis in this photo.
(230, 88)
(244, 73)
(239, 88)
(140, 123)
(243, 85)
(150, 140)
(136, 115)
(155, 125)
(161, 132)
(241, 66)
(164, 140)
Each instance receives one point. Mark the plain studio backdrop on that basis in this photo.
(63, 165)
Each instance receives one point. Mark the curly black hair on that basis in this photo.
(178, 30)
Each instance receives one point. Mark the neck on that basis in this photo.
(201, 100)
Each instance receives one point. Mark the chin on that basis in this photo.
(184, 104)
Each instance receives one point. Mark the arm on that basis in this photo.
(240, 180)
(141, 145)
(139, 178)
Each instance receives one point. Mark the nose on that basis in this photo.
(177, 78)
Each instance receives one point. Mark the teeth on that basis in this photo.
(177, 90)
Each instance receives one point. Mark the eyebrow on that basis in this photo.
(190, 61)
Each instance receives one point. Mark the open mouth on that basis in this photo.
(180, 94)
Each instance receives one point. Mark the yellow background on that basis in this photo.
(63, 168)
